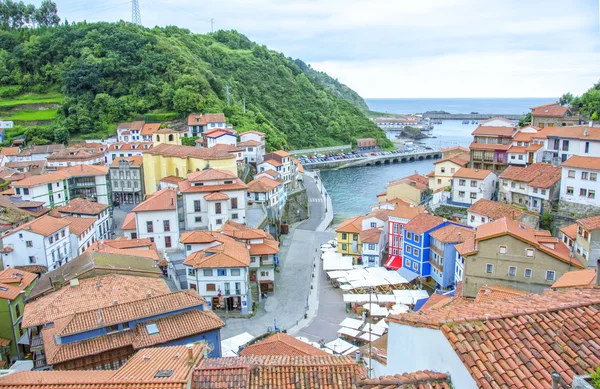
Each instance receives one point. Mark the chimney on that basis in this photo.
(555, 379)
(598, 272)
(148, 294)
(357, 356)
(586, 130)
(190, 352)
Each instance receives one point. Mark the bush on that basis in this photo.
(10, 91)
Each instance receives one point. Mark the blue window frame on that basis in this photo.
(221, 272)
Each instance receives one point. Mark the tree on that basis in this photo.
(566, 99)
(547, 222)
(61, 135)
(526, 120)
(185, 101)
(595, 116)
(39, 141)
(189, 141)
(47, 14)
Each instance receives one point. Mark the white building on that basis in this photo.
(579, 182)
(211, 197)
(81, 233)
(498, 121)
(564, 142)
(535, 187)
(253, 144)
(130, 149)
(99, 213)
(219, 137)
(281, 162)
(44, 241)
(51, 188)
(470, 185)
(199, 123)
(485, 211)
(73, 157)
(129, 132)
(157, 218)
(267, 191)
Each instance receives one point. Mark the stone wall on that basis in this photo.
(296, 207)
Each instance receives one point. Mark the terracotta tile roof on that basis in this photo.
(119, 146)
(270, 172)
(580, 162)
(279, 371)
(523, 136)
(229, 253)
(495, 210)
(242, 231)
(370, 236)
(377, 349)
(137, 125)
(268, 247)
(457, 148)
(189, 152)
(577, 278)
(493, 130)
(129, 223)
(83, 206)
(525, 233)
(195, 119)
(263, 184)
(249, 143)
(253, 132)
(517, 149)
(56, 378)
(539, 175)
(422, 223)
(84, 171)
(465, 248)
(78, 225)
(574, 132)
(436, 300)
(129, 311)
(228, 148)
(409, 181)
(211, 175)
(172, 179)
(497, 292)
(100, 247)
(352, 225)
(216, 196)
(522, 349)
(488, 146)
(570, 231)
(91, 293)
(198, 236)
(13, 281)
(459, 159)
(453, 234)
(424, 379)
(590, 223)
(281, 344)
(41, 179)
(125, 243)
(186, 187)
(163, 200)
(281, 153)
(150, 128)
(44, 225)
(169, 131)
(136, 160)
(549, 110)
(217, 133)
(74, 154)
(474, 174)
(497, 118)
(273, 162)
(534, 147)
(380, 214)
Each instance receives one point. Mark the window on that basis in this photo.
(218, 208)
(344, 247)
(443, 170)
(167, 241)
(512, 271)
(535, 190)
(591, 194)
(489, 268)
(473, 195)
(264, 273)
(416, 252)
(395, 228)
(587, 147)
(565, 146)
(166, 225)
(528, 273)
(18, 310)
(197, 206)
(188, 247)
(235, 272)
(18, 191)
(207, 272)
(473, 184)
(371, 246)
(113, 328)
(221, 272)
(417, 238)
(219, 221)
(29, 243)
(571, 173)
(582, 192)
(211, 287)
(198, 219)
(373, 225)
(473, 218)
(409, 235)
(32, 259)
(415, 266)
(593, 176)
(529, 252)
(502, 249)
(51, 239)
(462, 182)
(234, 203)
(461, 194)
(409, 249)
(569, 190)
(550, 275)
(344, 236)
(584, 175)
(149, 227)
(407, 263)
(234, 216)
(25, 191)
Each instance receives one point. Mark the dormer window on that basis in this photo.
(229, 182)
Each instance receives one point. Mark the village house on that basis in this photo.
(470, 185)
(38, 153)
(43, 241)
(498, 121)
(157, 218)
(445, 168)
(553, 115)
(525, 149)
(267, 191)
(81, 233)
(12, 216)
(536, 187)
(127, 179)
(281, 344)
(348, 237)
(231, 149)
(398, 217)
(280, 161)
(579, 185)
(83, 208)
(199, 123)
(366, 144)
(253, 145)
(373, 237)
(564, 142)
(220, 273)
(29, 168)
(456, 150)
(10, 153)
(587, 232)
(411, 189)
(129, 132)
(15, 285)
(129, 226)
(148, 131)
(568, 235)
(169, 160)
(73, 157)
(169, 136)
(116, 150)
(485, 211)
(508, 253)
(489, 147)
(442, 253)
(451, 325)
(221, 136)
(137, 312)
(211, 197)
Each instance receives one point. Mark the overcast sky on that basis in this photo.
(403, 48)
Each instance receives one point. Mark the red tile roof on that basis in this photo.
(352, 225)
(577, 278)
(187, 187)
(493, 130)
(129, 223)
(495, 210)
(242, 232)
(539, 175)
(167, 150)
(79, 225)
(573, 132)
(497, 292)
(14, 281)
(136, 160)
(10, 151)
(406, 212)
(570, 231)
(371, 235)
(457, 148)
(424, 379)
(422, 223)
(137, 125)
(150, 128)
(249, 143)
(281, 344)
(163, 200)
(453, 234)
(474, 174)
(252, 132)
(549, 110)
(195, 119)
(229, 253)
(263, 185)
(198, 237)
(216, 196)
(45, 225)
(460, 159)
(83, 206)
(580, 162)
(590, 223)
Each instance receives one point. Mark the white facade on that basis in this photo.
(459, 268)
(498, 122)
(54, 193)
(212, 282)
(102, 223)
(202, 214)
(535, 196)
(469, 190)
(475, 219)
(420, 348)
(30, 248)
(564, 148)
(80, 243)
(580, 185)
(129, 150)
(162, 227)
(224, 139)
(93, 160)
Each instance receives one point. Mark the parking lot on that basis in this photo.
(318, 158)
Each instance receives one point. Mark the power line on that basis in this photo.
(136, 18)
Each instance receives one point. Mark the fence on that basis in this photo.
(321, 150)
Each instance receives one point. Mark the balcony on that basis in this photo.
(437, 250)
(438, 266)
(37, 343)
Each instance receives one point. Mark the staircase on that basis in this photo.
(254, 291)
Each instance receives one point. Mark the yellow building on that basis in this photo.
(166, 160)
(168, 136)
(348, 237)
(411, 189)
(444, 169)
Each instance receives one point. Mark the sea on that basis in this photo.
(354, 190)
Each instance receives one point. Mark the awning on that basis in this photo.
(407, 274)
(24, 339)
(394, 262)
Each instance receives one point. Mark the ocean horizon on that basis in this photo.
(501, 106)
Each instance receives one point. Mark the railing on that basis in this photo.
(437, 266)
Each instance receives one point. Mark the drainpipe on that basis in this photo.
(598, 272)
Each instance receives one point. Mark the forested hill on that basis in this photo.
(112, 72)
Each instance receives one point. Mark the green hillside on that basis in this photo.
(112, 72)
